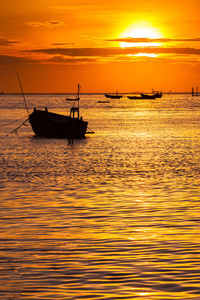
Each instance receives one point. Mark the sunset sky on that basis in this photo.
(105, 45)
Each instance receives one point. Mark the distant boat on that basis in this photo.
(147, 96)
(151, 96)
(114, 96)
(103, 101)
(49, 124)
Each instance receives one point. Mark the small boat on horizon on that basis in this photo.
(114, 96)
(103, 101)
(147, 96)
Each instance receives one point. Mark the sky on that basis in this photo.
(106, 45)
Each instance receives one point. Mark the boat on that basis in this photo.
(114, 96)
(103, 101)
(147, 96)
(135, 97)
(152, 96)
(49, 124)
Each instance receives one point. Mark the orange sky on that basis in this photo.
(105, 45)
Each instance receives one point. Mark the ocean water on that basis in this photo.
(113, 216)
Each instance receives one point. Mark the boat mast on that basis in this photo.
(23, 93)
(74, 107)
(78, 94)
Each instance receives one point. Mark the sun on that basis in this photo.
(140, 30)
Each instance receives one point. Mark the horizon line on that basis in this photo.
(88, 93)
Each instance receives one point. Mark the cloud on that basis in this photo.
(73, 52)
(50, 23)
(16, 60)
(9, 59)
(148, 40)
(62, 44)
(106, 52)
(100, 55)
(4, 42)
(63, 59)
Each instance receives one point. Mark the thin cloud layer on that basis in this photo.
(50, 23)
(16, 60)
(105, 52)
(149, 40)
(11, 59)
(99, 55)
(4, 42)
(63, 44)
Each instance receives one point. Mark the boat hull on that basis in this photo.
(113, 96)
(146, 96)
(153, 96)
(47, 124)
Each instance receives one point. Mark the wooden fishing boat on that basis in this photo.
(114, 96)
(147, 96)
(103, 101)
(49, 124)
(151, 96)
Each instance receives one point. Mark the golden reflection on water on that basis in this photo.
(116, 215)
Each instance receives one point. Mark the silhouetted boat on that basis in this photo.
(151, 96)
(49, 124)
(103, 101)
(135, 97)
(147, 96)
(114, 96)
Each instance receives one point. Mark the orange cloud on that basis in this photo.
(113, 51)
(150, 40)
(4, 42)
(50, 23)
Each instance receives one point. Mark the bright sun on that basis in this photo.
(140, 31)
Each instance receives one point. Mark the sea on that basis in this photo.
(113, 216)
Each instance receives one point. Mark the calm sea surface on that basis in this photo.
(113, 216)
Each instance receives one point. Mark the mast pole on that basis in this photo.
(23, 93)
(78, 98)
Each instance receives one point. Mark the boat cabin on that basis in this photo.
(74, 112)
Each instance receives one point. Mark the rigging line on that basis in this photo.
(90, 131)
(15, 130)
(13, 121)
(23, 93)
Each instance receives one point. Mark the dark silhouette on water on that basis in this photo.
(49, 124)
(147, 96)
(53, 125)
(103, 101)
(114, 96)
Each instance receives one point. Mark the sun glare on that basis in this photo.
(146, 55)
(140, 31)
